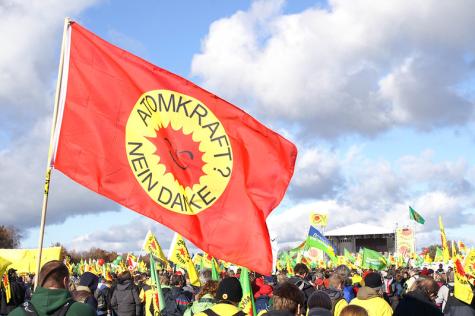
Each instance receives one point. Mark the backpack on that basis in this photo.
(335, 303)
(171, 307)
(307, 290)
(451, 289)
(210, 312)
(404, 286)
(29, 309)
(101, 300)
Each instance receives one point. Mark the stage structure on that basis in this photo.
(358, 235)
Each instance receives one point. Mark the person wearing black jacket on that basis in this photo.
(183, 298)
(17, 292)
(84, 292)
(421, 300)
(125, 299)
(103, 296)
(456, 307)
(171, 307)
(301, 272)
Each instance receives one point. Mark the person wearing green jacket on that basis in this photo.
(51, 296)
(204, 299)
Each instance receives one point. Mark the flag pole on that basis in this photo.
(49, 165)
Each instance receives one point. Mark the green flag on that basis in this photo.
(348, 256)
(315, 239)
(373, 260)
(156, 283)
(439, 255)
(416, 216)
(214, 271)
(419, 261)
(247, 302)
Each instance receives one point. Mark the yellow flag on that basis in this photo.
(25, 260)
(462, 247)
(290, 269)
(462, 289)
(318, 219)
(180, 256)
(197, 260)
(152, 246)
(470, 263)
(427, 258)
(445, 248)
(6, 286)
(207, 261)
(454, 251)
(4, 263)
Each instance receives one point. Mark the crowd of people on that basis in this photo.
(324, 292)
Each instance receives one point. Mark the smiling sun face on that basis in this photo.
(180, 155)
(178, 151)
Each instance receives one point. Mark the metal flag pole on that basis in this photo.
(49, 165)
(415, 245)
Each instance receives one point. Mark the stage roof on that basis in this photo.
(359, 229)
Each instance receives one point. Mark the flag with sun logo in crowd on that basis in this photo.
(160, 145)
(318, 219)
(180, 256)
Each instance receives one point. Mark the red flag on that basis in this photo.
(164, 147)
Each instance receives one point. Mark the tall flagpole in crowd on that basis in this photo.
(51, 150)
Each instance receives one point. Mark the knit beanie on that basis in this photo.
(319, 299)
(373, 280)
(229, 289)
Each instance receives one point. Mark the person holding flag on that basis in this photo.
(52, 296)
(301, 271)
(162, 146)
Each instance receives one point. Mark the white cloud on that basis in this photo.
(122, 238)
(31, 38)
(127, 237)
(317, 174)
(451, 176)
(379, 193)
(360, 66)
(22, 167)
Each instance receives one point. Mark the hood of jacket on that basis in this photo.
(46, 301)
(334, 294)
(420, 296)
(205, 302)
(278, 313)
(176, 291)
(127, 284)
(301, 283)
(366, 293)
(83, 288)
(319, 311)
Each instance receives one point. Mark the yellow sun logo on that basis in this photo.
(178, 151)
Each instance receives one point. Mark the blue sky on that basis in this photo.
(382, 119)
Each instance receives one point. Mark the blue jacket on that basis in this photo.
(348, 293)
